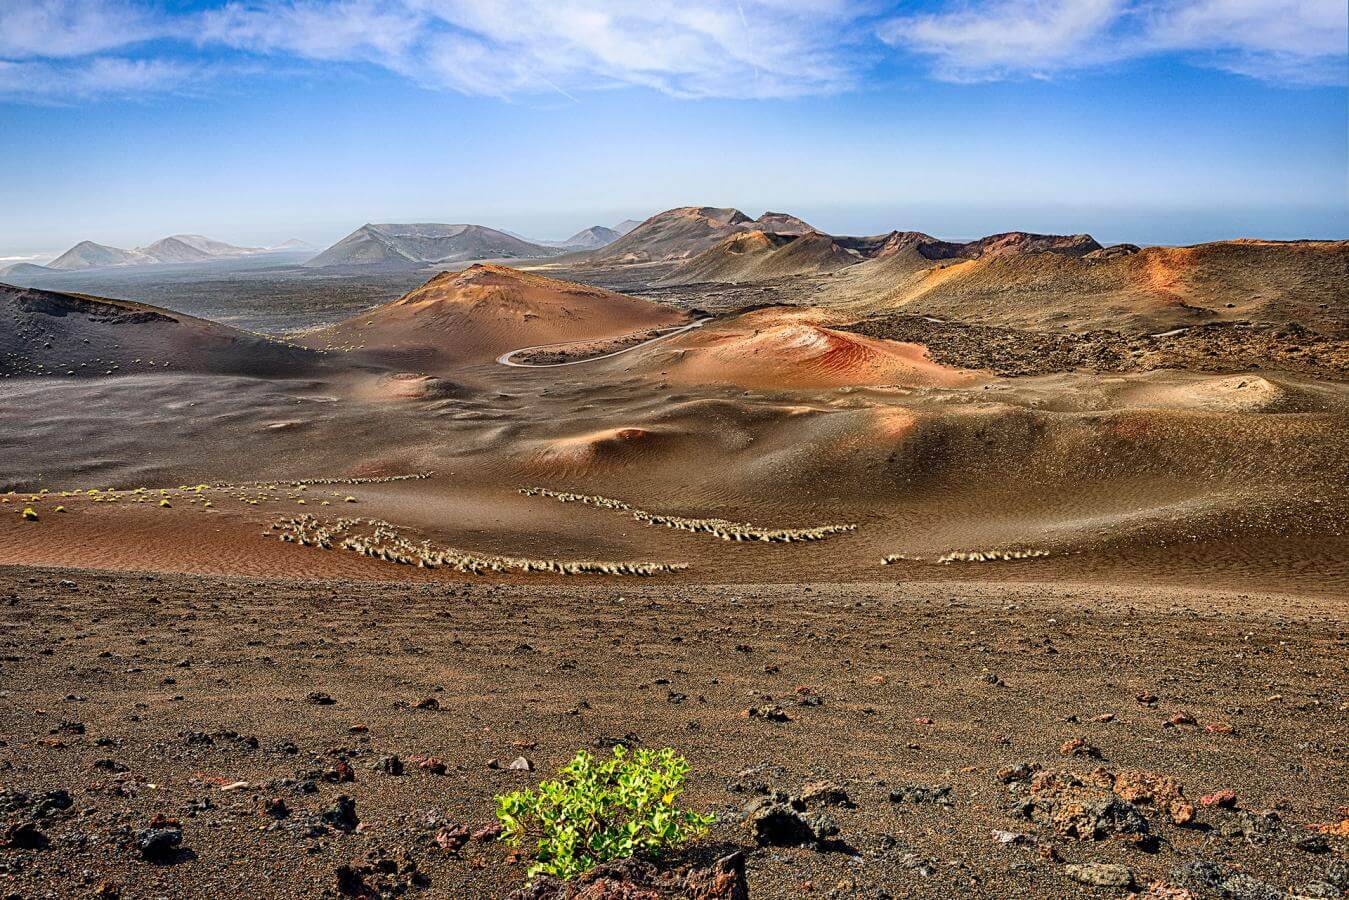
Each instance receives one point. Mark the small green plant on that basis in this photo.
(597, 810)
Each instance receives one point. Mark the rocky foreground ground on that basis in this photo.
(169, 736)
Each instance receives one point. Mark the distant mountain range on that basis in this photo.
(372, 244)
(175, 248)
(704, 243)
(89, 255)
(391, 244)
(686, 231)
(591, 238)
(403, 244)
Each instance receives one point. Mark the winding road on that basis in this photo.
(505, 358)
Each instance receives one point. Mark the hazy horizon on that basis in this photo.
(1168, 121)
(1135, 227)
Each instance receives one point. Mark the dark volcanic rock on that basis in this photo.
(723, 880)
(350, 882)
(342, 814)
(1216, 878)
(159, 844)
(26, 836)
(775, 822)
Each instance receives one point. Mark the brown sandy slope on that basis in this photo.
(745, 257)
(1155, 289)
(476, 314)
(761, 255)
(687, 231)
(51, 333)
(777, 417)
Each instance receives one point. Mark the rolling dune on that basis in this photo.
(797, 349)
(474, 315)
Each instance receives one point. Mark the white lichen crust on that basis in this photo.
(722, 528)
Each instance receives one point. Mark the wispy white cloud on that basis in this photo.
(993, 39)
(51, 49)
(335, 30)
(694, 48)
(64, 28)
(1289, 41)
(1278, 40)
(101, 76)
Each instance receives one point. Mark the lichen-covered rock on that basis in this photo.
(1076, 808)
(1162, 791)
(1216, 879)
(824, 793)
(1101, 875)
(939, 794)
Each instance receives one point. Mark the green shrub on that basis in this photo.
(600, 810)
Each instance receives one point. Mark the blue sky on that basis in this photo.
(1153, 121)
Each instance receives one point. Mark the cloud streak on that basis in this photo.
(1283, 41)
(103, 76)
(55, 29)
(693, 48)
(742, 49)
